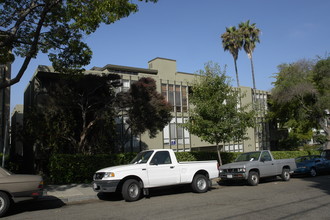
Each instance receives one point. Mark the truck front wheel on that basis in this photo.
(131, 190)
(253, 178)
(200, 184)
(285, 174)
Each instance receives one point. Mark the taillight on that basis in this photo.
(41, 185)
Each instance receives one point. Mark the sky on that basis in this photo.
(189, 31)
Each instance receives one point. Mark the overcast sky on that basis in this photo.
(188, 31)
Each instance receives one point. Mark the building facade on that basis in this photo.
(16, 128)
(174, 86)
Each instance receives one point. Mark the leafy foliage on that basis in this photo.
(217, 116)
(145, 110)
(78, 168)
(232, 41)
(68, 168)
(56, 27)
(75, 114)
(250, 36)
(245, 36)
(300, 100)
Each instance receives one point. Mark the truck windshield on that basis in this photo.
(142, 157)
(251, 156)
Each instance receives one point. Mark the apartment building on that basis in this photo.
(174, 86)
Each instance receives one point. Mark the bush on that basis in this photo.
(65, 169)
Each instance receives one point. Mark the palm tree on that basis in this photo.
(250, 34)
(232, 41)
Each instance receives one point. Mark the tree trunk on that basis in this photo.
(237, 80)
(252, 70)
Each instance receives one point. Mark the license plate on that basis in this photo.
(229, 176)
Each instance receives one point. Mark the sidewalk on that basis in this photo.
(76, 192)
(69, 193)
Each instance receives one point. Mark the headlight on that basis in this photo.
(241, 170)
(221, 171)
(109, 174)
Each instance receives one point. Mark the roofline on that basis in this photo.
(161, 59)
(125, 68)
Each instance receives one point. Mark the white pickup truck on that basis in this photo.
(154, 168)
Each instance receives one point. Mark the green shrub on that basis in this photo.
(226, 157)
(65, 168)
(292, 154)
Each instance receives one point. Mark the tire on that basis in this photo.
(285, 174)
(253, 178)
(313, 172)
(4, 203)
(200, 183)
(131, 190)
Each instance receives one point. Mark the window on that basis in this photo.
(161, 157)
(265, 156)
(175, 134)
(176, 95)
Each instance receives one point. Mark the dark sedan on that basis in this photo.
(16, 187)
(312, 165)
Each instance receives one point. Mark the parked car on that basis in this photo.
(252, 166)
(312, 165)
(154, 168)
(18, 187)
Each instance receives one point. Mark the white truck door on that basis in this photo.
(161, 170)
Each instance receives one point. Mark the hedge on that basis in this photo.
(65, 169)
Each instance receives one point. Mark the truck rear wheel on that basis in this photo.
(4, 203)
(200, 184)
(253, 178)
(131, 190)
(285, 174)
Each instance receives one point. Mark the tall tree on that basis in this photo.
(56, 26)
(250, 36)
(300, 101)
(232, 42)
(73, 110)
(216, 116)
(144, 108)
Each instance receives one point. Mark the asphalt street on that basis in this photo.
(300, 198)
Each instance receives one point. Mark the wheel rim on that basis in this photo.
(133, 191)
(201, 184)
(313, 172)
(2, 203)
(254, 178)
(286, 175)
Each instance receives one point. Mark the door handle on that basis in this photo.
(144, 169)
(171, 167)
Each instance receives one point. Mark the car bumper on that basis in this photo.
(301, 171)
(233, 176)
(105, 185)
(22, 196)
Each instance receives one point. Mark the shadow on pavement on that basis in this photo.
(34, 205)
(154, 192)
(321, 181)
